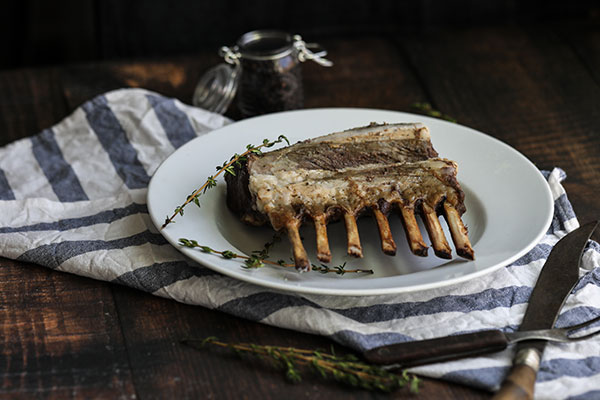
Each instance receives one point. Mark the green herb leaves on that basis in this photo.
(346, 369)
(258, 258)
(427, 109)
(228, 167)
(340, 269)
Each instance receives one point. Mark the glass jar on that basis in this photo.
(263, 72)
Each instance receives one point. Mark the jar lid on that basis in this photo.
(216, 89)
(265, 44)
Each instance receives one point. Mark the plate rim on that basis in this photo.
(350, 292)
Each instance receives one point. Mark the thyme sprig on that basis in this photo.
(258, 258)
(340, 269)
(228, 167)
(427, 109)
(346, 369)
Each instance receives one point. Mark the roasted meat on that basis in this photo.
(373, 170)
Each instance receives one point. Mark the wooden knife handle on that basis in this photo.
(520, 381)
(438, 349)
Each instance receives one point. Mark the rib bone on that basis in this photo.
(300, 257)
(385, 234)
(458, 231)
(323, 252)
(354, 247)
(440, 245)
(413, 234)
(373, 168)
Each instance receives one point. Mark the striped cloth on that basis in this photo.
(72, 198)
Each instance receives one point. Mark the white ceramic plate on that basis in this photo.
(509, 207)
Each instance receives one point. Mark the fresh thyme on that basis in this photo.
(427, 109)
(345, 369)
(258, 258)
(228, 167)
(340, 269)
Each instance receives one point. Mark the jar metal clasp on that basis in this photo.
(304, 52)
(262, 70)
(230, 55)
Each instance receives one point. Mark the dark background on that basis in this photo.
(532, 82)
(42, 33)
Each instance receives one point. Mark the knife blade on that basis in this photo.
(557, 278)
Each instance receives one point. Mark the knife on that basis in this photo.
(556, 281)
(559, 275)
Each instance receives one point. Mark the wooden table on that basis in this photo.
(64, 336)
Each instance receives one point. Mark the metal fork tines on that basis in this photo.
(555, 334)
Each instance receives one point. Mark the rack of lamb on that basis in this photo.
(373, 170)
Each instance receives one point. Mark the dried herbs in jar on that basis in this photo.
(266, 75)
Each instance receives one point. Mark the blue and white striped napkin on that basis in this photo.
(72, 198)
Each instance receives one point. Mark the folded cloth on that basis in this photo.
(72, 198)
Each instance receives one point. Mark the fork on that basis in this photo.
(554, 334)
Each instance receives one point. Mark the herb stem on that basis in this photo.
(259, 258)
(427, 109)
(226, 167)
(344, 369)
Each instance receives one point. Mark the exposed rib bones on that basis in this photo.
(377, 170)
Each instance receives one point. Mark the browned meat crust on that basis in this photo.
(376, 169)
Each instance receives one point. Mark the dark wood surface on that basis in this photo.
(64, 336)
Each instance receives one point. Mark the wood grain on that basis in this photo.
(438, 349)
(61, 336)
(71, 337)
(518, 385)
(174, 78)
(526, 88)
(31, 100)
(162, 367)
(368, 72)
(584, 39)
